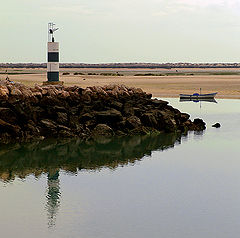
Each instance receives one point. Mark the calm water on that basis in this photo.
(159, 186)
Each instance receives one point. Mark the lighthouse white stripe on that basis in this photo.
(53, 67)
(53, 46)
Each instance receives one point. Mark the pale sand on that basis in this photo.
(227, 86)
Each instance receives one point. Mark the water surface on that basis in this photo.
(149, 186)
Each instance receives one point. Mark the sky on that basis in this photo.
(105, 31)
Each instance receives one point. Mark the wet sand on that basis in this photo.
(227, 86)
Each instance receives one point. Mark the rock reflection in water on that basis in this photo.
(72, 155)
(51, 156)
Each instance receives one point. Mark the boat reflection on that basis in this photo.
(197, 100)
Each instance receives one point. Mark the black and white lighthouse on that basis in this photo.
(52, 56)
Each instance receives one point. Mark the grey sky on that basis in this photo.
(94, 31)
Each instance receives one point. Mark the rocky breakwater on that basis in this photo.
(95, 112)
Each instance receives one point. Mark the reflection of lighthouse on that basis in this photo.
(53, 196)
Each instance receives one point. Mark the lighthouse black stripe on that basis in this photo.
(53, 56)
(53, 76)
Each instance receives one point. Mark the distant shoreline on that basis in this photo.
(170, 84)
(127, 65)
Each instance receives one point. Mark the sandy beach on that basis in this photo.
(227, 85)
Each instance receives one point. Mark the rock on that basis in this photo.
(47, 101)
(109, 116)
(149, 95)
(37, 94)
(4, 92)
(62, 118)
(65, 132)
(184, 117)
(34, 131)
(63, 94)
(26, 92)
(15, 91)
(216, 125)
(48, 128)
(52, 92)
(86, 117)
(7, 127)
(199, 124)
(8, 115)
(149, 120)
(48, 124)
(138, 90)
(116, 105)
(59, 111)
(128, 109)
(102, 130)
(159, 103)
(74, 122)
(37, 113)
(133, 122)
(139, 131)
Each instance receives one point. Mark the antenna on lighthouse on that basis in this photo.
(51, 30)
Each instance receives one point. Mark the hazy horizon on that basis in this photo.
(109, 31)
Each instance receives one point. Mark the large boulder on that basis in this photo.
(133, 122)
(111, 116)
(102, 130)
(149, 119)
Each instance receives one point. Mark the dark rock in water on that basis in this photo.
(217, 125)
(102, 130)
(58, 111)
(199, 124)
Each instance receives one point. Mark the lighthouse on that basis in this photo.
(52, 57)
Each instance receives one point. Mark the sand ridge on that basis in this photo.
(227, 86)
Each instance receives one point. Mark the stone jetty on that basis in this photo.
(30, 113)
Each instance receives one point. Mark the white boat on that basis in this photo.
(198, 96)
